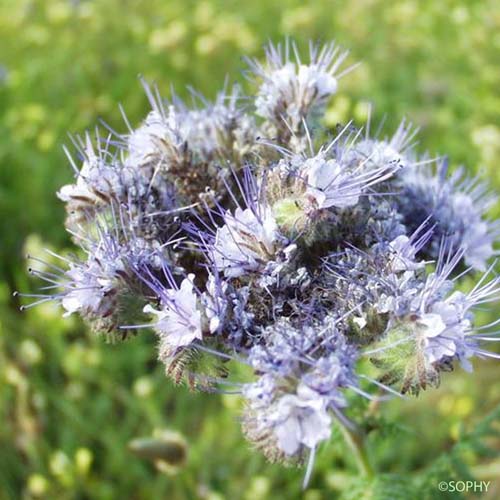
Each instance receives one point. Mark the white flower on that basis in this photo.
(215, 302)
(402, 257)
(150, 142)
(375, 153)
(329, 184)
(315, 78)
(295, 89)
(273, 90)
(291, 90)
(359, 321)
(84, 294)
(89, 287)
(94, 176)
(300, 420)
(179, 321)
(246, 242)
(446, 328)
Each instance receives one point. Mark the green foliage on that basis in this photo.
(452, 465)
(481, 441)
(69, 403)
(382, 487)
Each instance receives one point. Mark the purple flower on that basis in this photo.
(300, 419)
(438, 320)
(303, 373)
(179, 321)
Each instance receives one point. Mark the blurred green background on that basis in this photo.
(69, 403)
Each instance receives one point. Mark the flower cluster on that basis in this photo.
(242, 232)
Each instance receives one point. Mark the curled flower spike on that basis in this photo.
(456, 205)
(293, 91)
(157, 143)
(106, 188)
(174, 134)
(303, 372)
(434, 326)
(376, 152)
(218, 130)
(102, 288)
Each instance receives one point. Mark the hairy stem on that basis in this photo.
(355, 438)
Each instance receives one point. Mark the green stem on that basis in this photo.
(355, 438)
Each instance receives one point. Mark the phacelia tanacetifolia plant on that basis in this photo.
(241, 231)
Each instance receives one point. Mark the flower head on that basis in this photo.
(303, 372)
(329, 179)
(249, 233)
(291, 90)
(102, 287)
(456, 205)
(376, 152)
(434, 325)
